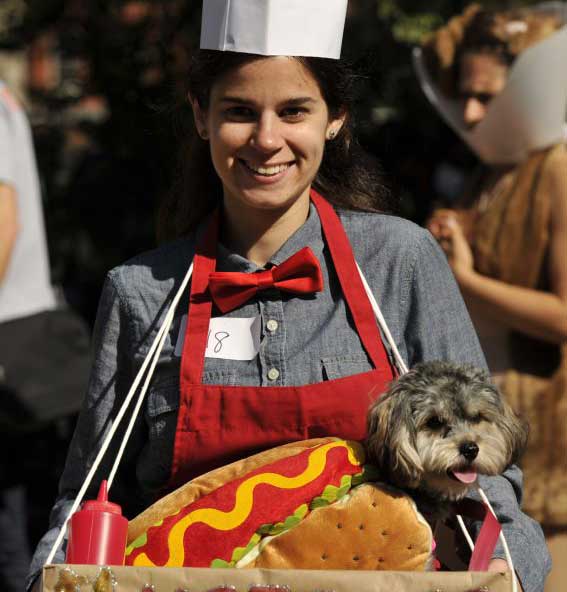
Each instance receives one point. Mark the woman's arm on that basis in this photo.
(542, 315)
(437, 324)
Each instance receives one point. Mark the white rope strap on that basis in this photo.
(152, 356)
(402, 367)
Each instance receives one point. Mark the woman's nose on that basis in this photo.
(267, 135)
(473, 112)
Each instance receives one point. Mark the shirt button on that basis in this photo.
(273, 373)
(272, 325)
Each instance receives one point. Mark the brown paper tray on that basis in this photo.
(91, 578)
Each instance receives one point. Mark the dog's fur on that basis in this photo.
(431, 422)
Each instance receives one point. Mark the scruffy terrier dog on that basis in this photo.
(437, 428)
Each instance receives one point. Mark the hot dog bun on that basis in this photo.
(374, 528)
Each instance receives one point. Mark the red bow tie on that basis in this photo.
(301, 273)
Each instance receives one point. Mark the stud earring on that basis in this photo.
(204, 135)
(332, 134)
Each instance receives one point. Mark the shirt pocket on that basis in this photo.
(154, 464)
(219, 377)
(346, 365)
(162, 406)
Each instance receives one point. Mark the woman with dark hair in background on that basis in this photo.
(506, 241)
(275, 210)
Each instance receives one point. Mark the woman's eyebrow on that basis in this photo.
(292, 102)
(238, 100)
(299, 101)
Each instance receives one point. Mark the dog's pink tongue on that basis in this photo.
(468, 476)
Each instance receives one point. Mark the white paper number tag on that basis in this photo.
(228, 339)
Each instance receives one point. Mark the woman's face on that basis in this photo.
(267, 124)
(482, 77)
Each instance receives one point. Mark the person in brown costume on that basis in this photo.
(506, 242)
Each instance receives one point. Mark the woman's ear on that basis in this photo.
(200, 117)
(335, 125)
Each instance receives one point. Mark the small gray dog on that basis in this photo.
(437, 428)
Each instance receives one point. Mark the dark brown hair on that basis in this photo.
(347, 177)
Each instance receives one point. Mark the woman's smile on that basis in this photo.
(266, 173)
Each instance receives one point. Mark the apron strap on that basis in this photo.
(200, 304)
(351, 283)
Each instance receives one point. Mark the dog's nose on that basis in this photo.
(469, 450)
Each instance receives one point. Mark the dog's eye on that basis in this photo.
(435, 423)
(476, 418)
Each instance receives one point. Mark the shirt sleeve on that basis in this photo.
(106, 390)
(438, 327)
(523, 535)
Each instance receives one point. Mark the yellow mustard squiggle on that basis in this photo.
(244, 499)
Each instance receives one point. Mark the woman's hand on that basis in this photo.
(501, 566)
(438, 220)
(446, 227)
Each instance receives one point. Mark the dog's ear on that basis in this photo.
(391, 438)
(515, 431)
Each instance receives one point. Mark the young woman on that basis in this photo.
(506, 244)
(277, 212)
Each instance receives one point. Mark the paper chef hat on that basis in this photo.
(311, 28)
(529, 114)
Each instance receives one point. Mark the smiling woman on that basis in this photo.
(276, 213)
(318, 87)
(267, 124)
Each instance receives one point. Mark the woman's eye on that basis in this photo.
(485, 98)
(293, 113)
(239, 113)
(435, 423)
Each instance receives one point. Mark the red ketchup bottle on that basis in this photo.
(97, 532)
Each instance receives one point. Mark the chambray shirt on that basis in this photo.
(312, 339)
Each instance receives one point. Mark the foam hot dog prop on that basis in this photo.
(303, 505)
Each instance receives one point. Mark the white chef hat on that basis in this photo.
(275, 27)
(529, 114)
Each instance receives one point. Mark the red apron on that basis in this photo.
(220, 424)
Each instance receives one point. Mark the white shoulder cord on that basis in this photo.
(154, 353)
(402, 367)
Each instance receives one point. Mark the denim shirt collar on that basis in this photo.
(308, 235)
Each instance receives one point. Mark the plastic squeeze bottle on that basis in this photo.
(97, 532)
